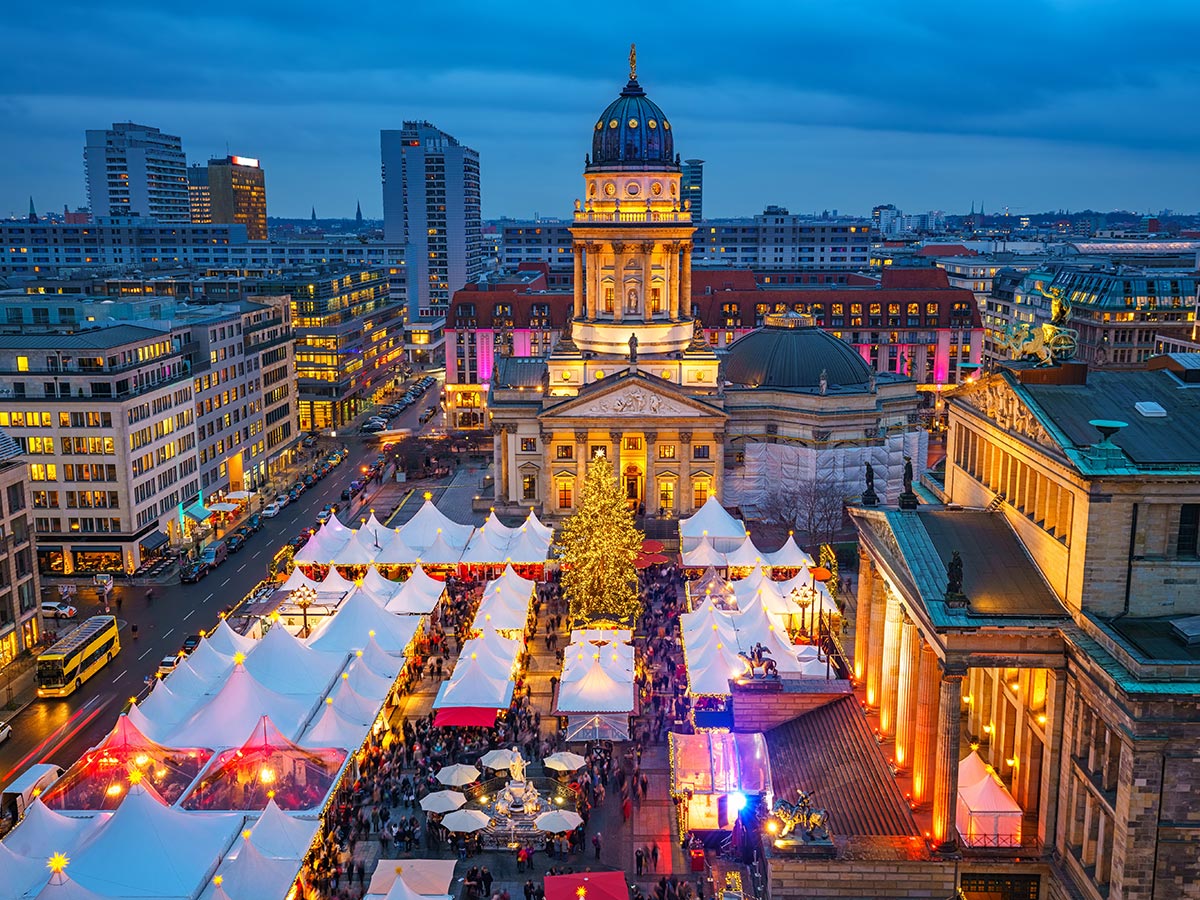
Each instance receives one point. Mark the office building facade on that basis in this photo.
(136, 170)
(20, 625)
(237, 191)
(431, 205)
(691, 187)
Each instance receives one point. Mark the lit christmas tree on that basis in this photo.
(598, 545)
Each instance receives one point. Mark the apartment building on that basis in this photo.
(136, 170)
(20, 626)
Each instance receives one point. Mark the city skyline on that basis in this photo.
(931, 112)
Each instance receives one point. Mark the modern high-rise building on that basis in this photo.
(692, 184)
(199, 195)
(238, 190)
(431, 206)
(136, 170)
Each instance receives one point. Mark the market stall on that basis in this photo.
(712, 521)
(716, 774)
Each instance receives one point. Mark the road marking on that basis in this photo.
(242, 566)
(189, 615)
(225, 582)
(147, 653)
(169, 633)
(256, 553)
(119, 677)
(209, 597)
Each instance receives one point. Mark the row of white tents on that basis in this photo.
(798, 601)
(325, 692)
(713, 638)
(596, 689)
(430, 537)
(704, 554)
(418, 595)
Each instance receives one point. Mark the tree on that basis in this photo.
(816, 509)
(597, 546)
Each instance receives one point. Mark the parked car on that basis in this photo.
(167, 665)
(310, 441)
(190, 643)
(324, 515)
(215, 554)
(428, 413)
(373, 427)
(193, 572)
(255, 522)
(272, 509)
(299, 487)
(235, 541)
(347, 493)
(5, 732)
(56, 609)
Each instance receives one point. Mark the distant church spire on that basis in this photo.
(358, 214)
(314, 214)
(33, 216)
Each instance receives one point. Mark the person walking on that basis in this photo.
(654, 858)
(596, 843)
(639, 859)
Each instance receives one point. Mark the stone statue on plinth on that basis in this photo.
(869, 497)
(908, 500)
(633, 345)
(517, 769)
(954, 582)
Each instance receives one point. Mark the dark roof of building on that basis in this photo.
(1163, 440)
(93, 339)
(999, 576)
(632, 134)
(519, 372)
(832, 753)
(793, 357)
(946, 250)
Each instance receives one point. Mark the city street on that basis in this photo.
(60, 731)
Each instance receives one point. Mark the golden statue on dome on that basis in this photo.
(633, 62)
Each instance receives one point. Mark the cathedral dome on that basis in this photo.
(790, 353)
(632, 134)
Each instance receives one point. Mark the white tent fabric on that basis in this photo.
(163, 709)
(790, 556)
(297, 580)
(972, 770)
(488, 545)
(541, 529)
(366, 682)
(230, 715)
(334, 583)
(428, 877)
(702, 555)
(393, 551)
(495, 664)
(422, 530)
(723, 530)
(280, 835)
(332, 729)
(987, 815)
(352, 705)
(711, 662)
(360, 550)
(62, 887)
(440, 553)
(325, 544)
(373, 529)
(746, 555)
(381, 589)
(21, 875)
(187, 681)
(251, 875)
(148, 849)
(227, 641)
(283, 663)
(471, 685)
(595, 690)
(601, 636)
(43, 831)
(379, 661)
(351, 626)
(419, 595)
(528, 547)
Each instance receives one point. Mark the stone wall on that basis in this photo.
(756, 708)
(788, 879)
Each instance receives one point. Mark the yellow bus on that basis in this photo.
(77, 657)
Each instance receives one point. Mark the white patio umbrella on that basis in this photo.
(500, 759)
(565, 761)
(442, 801)
(457, 775)
(464, 821)
(557, 821)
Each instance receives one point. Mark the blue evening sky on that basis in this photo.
(1030, 104)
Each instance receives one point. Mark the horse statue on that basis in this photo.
(757, 659)
(810, 823)
(1022, 342)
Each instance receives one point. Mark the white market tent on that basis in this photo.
(280, 835)
(148, 849)
(365, 682)
(594, 690)
(746, 555)
(393, 551)
(298, 580)
(352, 705)
(987, 815)
(538, 527)
(419, 595)
(283, 663)
(332, 729)
(23, 875)
(42, 828)
(381, 589)
(227, 641)
(711, 520)
(471, 686)
(790, 556)
(227, 717)
(711, 662)
(528, 547)
(350, 628)
(422, 530)
(251, 875)
(488, 545)
(703, 555)
(440, 553)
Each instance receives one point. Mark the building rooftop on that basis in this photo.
(1152, 440)
(94, 339)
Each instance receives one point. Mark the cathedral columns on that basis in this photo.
(890, 683)
(924, 755)
(647, 280)
(505, 464)
(593, 276)
(618, 281)
(685, 474)
(650, 489)
(577, 249)
(581, 460)
(879, 604)
(862, 614)
(617, 438)
(685, 290)
(719, 464)
(672, 269)
(945, 786)
(906, 694)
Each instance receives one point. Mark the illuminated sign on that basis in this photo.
(244, 161)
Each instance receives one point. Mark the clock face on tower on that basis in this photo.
(610, 188)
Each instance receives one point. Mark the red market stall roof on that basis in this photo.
(466, 716)
(588, 886)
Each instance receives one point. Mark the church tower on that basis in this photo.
(633, 248)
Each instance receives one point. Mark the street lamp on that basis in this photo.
(304, 597)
